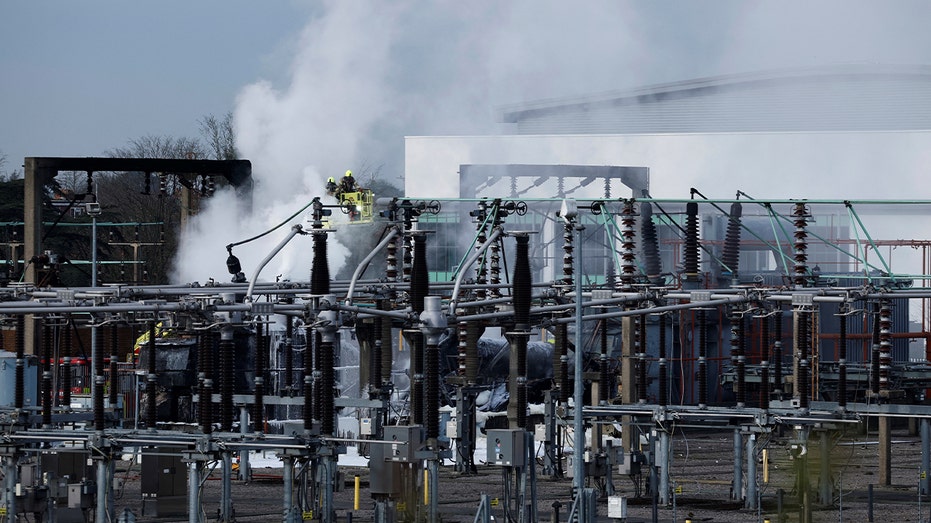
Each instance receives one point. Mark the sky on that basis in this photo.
(317, 87)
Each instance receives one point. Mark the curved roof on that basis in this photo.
(855, 97)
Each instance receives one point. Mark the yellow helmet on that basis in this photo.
(330, 179)
(349, 174)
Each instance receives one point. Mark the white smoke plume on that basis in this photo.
(367, 73)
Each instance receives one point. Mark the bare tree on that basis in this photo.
(219, 135)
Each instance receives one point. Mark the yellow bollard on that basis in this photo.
(765, 466)
(355, 500)
(426, 487)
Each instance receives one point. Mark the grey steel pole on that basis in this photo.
(226, 489)
(245, 472)
(738, 465)
(578, 468)
(925, 455)
(193, 492)
(103, 508)
(752, 501)
(288, 480)
(11, 475)
(664, 468)
(824, 480)
(94, 329)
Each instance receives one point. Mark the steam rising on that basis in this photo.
(367, 73)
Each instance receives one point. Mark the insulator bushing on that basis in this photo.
(730, 255)
(764, 363)
(628, 245)
(641, 359)
(205, 382)
(473, 334)
(650, 240)
(420, 276)
(258, 405)
(777, 354)
(800, 219)
(741, 361)
(114, 360)
(289, 354)
(227, 378)
(387, 345)
(603, 366)
(417, 385)
(702, 358)
(885, 345)
(842, 359)
(691, 242)
(521, 283)
(308, 409)
(567, 257)
(328, 389)
(561, 361)
(391, 260)
(663, 364)
(432, 391)
(318, 371)
(376, 358)
(874, 358)
(320, 271)
(802, 380)
(20, 392)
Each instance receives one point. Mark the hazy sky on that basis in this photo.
(317, 87)
(78, 78)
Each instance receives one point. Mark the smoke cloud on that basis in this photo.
(367, 73)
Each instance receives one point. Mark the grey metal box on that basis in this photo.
(507, 447)
(403, 442)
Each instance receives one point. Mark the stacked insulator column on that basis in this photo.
(743, 338)
(227, 378)
(842, 359)
(289, 354)
(777, 353)
(663, 364)
(375, 357)
(391, 260)
(764, 363)
(567, 256)
(318, 375)
(114, 368)
(650, 241)
(641, 348)
(561, 361)
(473, 333)
(100, 380)
(481, 274)
(736, 321)
(308, 409)
(204, 366)
(885, 345)
(420, 287)
(628, 270)
(803, 341)
(730, 255)
(691, 243)
(462, 346)
(800, 219)
(387, 356)
(20, 392)
(47, 343)
(603, 366)
(874, 358)
(258, 406)
(522, 297)
(702, 358)
(327, 386)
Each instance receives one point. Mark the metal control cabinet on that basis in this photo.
(164, 482)
(507, 447)
(403, 442)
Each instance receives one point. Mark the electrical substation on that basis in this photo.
(566, 340)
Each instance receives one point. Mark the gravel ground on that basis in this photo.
(701, 474)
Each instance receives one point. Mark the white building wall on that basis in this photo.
(877, 165)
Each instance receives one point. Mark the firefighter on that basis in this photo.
(348, 183)
(331, 186)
